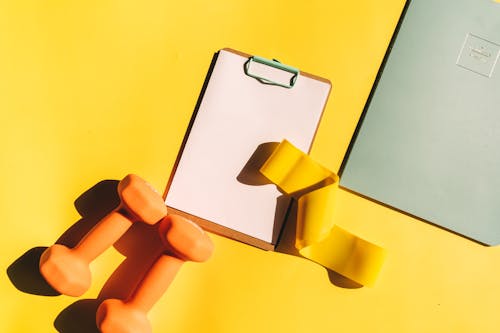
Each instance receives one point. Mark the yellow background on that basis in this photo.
(93, 90)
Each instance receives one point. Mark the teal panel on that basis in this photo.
(429, 142)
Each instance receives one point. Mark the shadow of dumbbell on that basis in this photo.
(92, 205)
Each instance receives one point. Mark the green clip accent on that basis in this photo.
(273, 63)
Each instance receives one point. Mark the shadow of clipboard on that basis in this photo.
(246, 106)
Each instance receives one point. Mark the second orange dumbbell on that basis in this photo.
(183, 241)
(67, 269)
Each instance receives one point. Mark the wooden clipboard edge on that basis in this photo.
(212, 226)
(190, 125)
(224, 231)
(309, 75)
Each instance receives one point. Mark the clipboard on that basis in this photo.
(248, 105)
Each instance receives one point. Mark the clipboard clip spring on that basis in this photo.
(275, 64)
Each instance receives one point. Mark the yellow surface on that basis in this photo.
(93, 90)
(317, 237)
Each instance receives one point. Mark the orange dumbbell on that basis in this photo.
(67, 270)
(184, 241)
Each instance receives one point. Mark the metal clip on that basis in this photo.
(275, 64)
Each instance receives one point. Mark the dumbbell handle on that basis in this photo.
(102, 236)
(155, 283)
